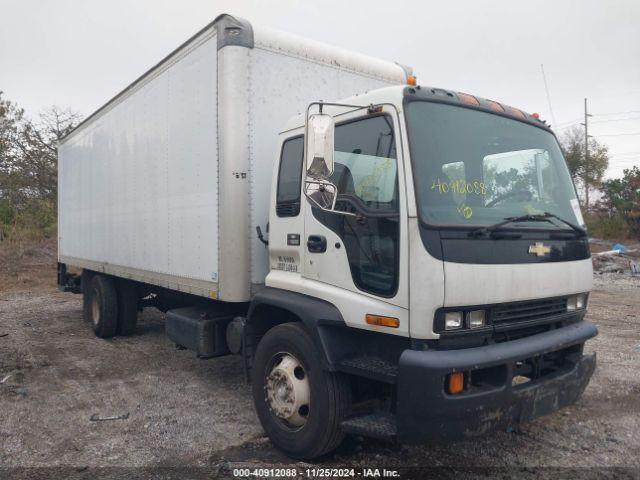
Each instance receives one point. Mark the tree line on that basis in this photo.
(615, 213)
(29, 166)
(28, 169)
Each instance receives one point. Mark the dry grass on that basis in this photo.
(27, 264)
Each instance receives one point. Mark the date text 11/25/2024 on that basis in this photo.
(315, 473)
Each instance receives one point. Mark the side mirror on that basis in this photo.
(322, 194)
(320, 144)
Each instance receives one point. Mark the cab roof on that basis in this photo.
(398, 95)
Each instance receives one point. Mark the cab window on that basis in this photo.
(365, 162)
(290, 178)
(365, 167)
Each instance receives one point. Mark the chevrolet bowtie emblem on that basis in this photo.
(539, 249)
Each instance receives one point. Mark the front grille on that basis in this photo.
(527, 311)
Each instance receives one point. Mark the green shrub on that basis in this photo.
(608, 227)
(35, 221)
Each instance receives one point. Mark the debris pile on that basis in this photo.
(611, 257)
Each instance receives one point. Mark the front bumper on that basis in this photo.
(425, 412)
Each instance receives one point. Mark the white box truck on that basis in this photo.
(407, 263)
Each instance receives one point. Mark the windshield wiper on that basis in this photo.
(522, 218)
(545, 217)
(579, 230)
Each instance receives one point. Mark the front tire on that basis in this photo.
(299, 404)
(104, 306)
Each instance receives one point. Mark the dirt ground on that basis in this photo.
(191, 418)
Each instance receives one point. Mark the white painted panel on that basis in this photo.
(353, 306)
(282, 86)
(234, 194)
(426, 285)
(139, 186)
(138, 183)
(285, 43)
(473, 284)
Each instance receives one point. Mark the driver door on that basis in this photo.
(356, 256)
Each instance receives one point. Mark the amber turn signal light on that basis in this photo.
(455, 383)
(381, 321)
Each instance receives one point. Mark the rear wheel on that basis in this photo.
(127, 307)
(299, 404)
(104, 306)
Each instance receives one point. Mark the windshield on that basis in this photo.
(476, 168)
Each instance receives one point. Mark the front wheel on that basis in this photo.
(299, 404)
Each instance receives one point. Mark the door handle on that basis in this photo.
(317, 244)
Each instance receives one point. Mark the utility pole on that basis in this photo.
(586, 156)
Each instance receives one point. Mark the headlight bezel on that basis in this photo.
(453, 316)
(479, 314)
(576, 305)
(577, 302)
(462, 316)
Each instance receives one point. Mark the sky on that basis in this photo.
(80, 53)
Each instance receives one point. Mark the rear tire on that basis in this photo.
(104, 306)
(127, 307)
(316, 430)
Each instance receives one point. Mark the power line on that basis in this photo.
(616, 120)
(615, 113)
(624, 159)
(624, 154)
(616, 134)
(627, 154)
(575, 120)
(616, 94)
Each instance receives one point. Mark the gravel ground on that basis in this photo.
(182, 414)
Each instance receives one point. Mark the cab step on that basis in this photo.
(370, 367)
(375, 425)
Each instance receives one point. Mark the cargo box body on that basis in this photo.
(166, 183)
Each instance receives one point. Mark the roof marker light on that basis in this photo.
(495, 106)
(536, 116)
(515, 112)
(468, 99)
(412, 80)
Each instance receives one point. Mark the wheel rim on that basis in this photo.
(95, 307)
(287, 391)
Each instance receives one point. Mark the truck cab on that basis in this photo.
(429, 273)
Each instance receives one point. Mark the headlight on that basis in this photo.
(577, 302)
(452, 320)
(475, 319)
